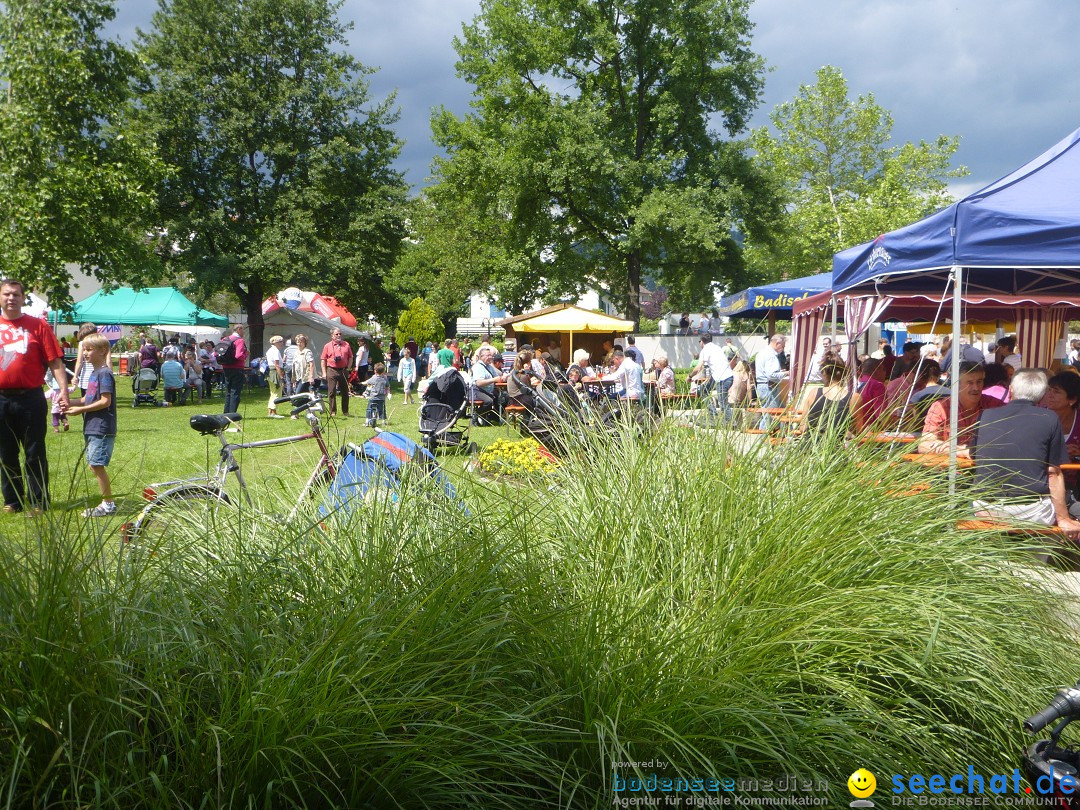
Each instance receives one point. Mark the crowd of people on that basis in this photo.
(1019, 426)
(520, 375)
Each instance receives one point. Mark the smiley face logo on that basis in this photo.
(862, 784)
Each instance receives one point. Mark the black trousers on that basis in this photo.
(23, 425)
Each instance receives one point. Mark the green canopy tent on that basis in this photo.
(141, 308)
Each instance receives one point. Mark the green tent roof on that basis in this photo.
(142, 308)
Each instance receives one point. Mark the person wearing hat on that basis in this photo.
(275, 373)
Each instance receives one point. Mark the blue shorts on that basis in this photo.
(99, 450)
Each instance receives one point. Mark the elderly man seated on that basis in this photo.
(1019, 450)
(484, 390)
(629, 375)
(935, 435)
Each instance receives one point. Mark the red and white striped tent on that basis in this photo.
(1039, 319)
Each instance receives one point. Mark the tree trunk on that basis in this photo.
(253, 299)
(633, 286)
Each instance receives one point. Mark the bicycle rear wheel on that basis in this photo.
(177, 517)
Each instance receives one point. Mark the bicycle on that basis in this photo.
(193, 502)
(1045, 763)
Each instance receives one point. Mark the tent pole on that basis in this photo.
(772, 323)
(834, 321)
(954, 378)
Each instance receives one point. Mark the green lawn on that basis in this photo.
(156, 444)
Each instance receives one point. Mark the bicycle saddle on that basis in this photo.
(207, 423)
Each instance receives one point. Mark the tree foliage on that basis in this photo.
(75, 186)
(840, 179)
(589, 159)
(420, 321)
(282, 164)
(436, 264)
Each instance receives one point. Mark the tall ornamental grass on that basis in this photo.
(787, 611)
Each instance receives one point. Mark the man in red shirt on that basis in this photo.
(27, 348)
(336, 359)
(935, 435)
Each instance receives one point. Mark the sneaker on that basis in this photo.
(276, 416)
(232, 430)
(11, 509)
(101, 510)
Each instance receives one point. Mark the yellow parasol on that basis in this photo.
(568, 319)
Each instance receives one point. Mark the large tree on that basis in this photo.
(841, 179)
(282, 165)
(590, 155)
(74, 187)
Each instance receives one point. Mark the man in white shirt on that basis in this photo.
(813, 375)
(719, 376)
(629, 374)
(770, 376)
(274, 374)
(288, 357)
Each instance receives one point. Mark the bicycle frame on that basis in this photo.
(227, 463)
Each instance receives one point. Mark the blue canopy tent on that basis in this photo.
(1017, 236)
(773, 300)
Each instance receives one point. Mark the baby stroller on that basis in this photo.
(143, 386)
(445, 402)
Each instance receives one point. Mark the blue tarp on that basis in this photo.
(1013, 236)
(375, 470)
(780, 297)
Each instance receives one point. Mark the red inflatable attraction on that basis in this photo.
(325, 305)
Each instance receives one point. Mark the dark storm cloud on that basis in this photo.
(999, 74)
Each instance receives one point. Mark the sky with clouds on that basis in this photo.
(1001, 75)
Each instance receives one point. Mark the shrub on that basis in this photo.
(648, 326)
(733, 614)
(420, 321)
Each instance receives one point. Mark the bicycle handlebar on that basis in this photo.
(1066, 703)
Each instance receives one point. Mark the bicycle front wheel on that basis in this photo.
(176, 518)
